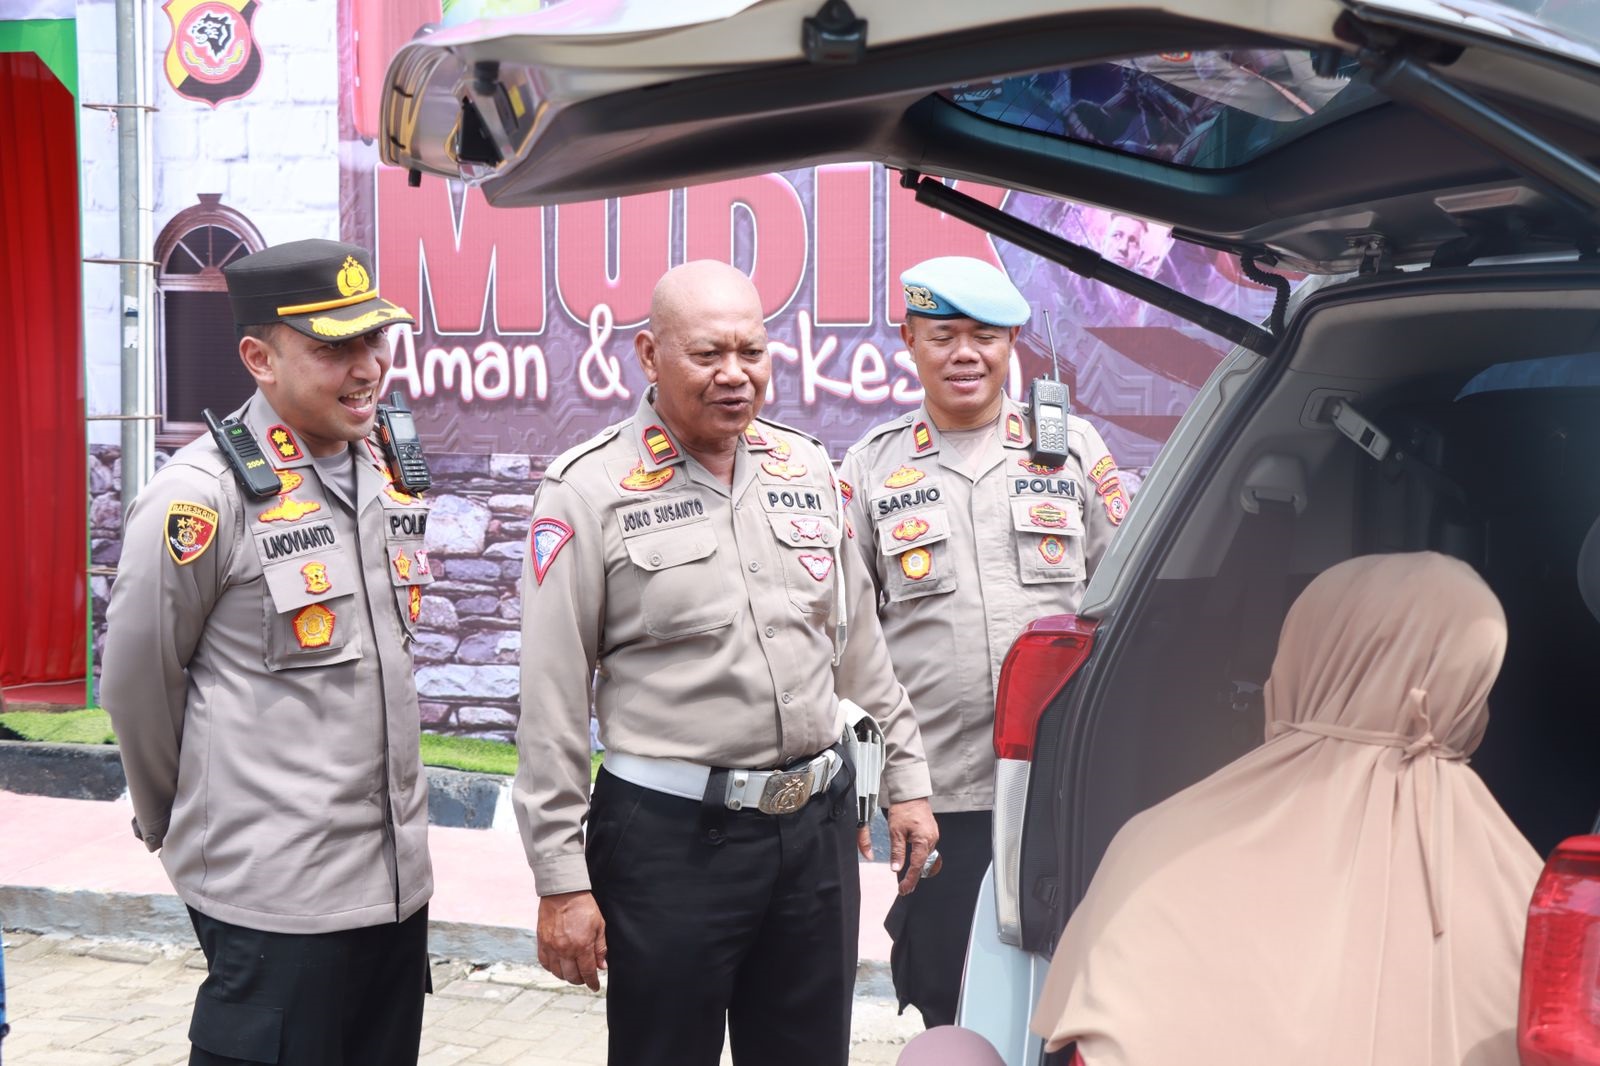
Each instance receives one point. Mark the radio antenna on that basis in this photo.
(1055, 362)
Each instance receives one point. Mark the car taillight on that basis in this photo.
(1041, 660)
(1559, 1020)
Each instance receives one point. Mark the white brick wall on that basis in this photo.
(272, 155)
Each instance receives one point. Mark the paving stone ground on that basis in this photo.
(78, 1002)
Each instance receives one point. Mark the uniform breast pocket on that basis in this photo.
(1049, 539)
(682, 589)
(309, 613)
(808, 546)
(915, 550)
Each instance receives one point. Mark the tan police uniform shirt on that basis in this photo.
(258, 672)
(700, 613)
(963, 556)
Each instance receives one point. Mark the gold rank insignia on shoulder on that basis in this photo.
(906, 475)
(784, 469)
(283, 443)
(659, 444)
(753, 437)
(190, 530)
(641, 480)
(916, 563)
(922, 437)
(1014, 428)
(313, 626)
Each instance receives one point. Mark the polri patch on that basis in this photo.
(782, 468)
(1047, 515)
(909, 530)
(659, 444)
(288, 510)
(313, 626)
(190, 530)
(284, 446)
(808, 528)
(547, 537)
(316, 575)
(917, 563)
(641, 480)
(905, 475)
(818, 566)
(1106, 465)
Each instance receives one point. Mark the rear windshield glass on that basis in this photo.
(1208, 110)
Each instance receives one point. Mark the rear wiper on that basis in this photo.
(1090, 264)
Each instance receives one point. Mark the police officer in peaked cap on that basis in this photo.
(968, 537)
(258, 672)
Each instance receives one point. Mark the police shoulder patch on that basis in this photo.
(545, 539)
(191, 527)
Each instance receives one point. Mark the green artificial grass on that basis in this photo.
(468, 753)
(93, 726)
(88, 726)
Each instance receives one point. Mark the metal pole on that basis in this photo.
(138, 436)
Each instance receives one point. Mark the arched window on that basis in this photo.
(199, 365)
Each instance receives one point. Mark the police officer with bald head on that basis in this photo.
(689, 568)
(968, 536)
(258, 672)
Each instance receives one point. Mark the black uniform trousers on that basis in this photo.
(347, 998)
(718, 918)
(930, 927)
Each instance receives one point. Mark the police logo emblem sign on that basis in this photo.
(190, 530)
(213, 56)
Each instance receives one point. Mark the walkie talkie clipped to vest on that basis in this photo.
(238, 446)
(397, 432)
(1048, 398)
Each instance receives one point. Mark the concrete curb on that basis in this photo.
(163, 919)
(456, 798)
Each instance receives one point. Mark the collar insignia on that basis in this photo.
(659, 444)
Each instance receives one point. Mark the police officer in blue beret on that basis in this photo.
(969, 535)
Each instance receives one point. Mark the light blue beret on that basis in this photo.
(952, 286)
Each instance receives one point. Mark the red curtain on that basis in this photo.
(43, 530)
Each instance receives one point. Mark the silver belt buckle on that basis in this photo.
(786, 792)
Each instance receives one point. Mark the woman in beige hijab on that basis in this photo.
(1348, 893)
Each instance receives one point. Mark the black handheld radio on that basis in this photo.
(239, 447)
(397, 432)
(1048, 398)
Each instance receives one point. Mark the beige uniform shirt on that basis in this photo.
(965, 555)
(258, 673)
(699, 612)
